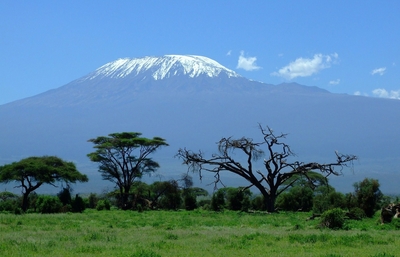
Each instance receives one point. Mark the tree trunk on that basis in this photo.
(125, 198)
(25, 201)
(270, 203)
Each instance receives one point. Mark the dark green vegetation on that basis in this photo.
(190, 233)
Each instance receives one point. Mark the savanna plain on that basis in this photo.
(191, 233)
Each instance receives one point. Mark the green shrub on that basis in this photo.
(218, 201)
(237, 198)
(18, 211)
(396, 223)
(297, 198)
(9, 201)
(328, 199)
(103, 205)
(204, 203)
(190, 202)
(357, 213)
(258, 203)
(66, 208)
(9, 205)
(48, 204)
(333, 219)
(92, 201)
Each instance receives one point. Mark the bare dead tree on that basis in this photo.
(270, 183)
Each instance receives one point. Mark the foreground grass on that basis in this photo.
(197, 233)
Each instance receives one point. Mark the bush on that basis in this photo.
(48, 204)
(190, 202)
(204, 203)
(328, 200)
(333, 219)
(103, 205)
(92, 201)
(218, 201)
(357, 213)
(18, 211)
(298, 198)
(258, 203)
(9, 201)
(237, 199)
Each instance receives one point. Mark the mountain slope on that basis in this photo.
(192, 107)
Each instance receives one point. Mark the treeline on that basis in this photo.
(180, 194)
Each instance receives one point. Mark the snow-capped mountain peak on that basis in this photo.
(163, 67)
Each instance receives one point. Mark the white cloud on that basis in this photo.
(360, 93)
(379, 71)
(304, 67)
(229, 53)
(247, 63)
(334, 82)
(380, 92)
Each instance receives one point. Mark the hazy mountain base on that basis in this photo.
(60, 122)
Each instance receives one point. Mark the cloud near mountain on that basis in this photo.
(247, 63)
(380, 92)
(304, 67)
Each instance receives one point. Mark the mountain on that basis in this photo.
(193, 101)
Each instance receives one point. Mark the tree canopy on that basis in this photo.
(32, 172)
(123, 158)
(279, 170)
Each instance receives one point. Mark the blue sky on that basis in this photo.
(348, 47)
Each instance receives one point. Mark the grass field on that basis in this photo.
(196, 233)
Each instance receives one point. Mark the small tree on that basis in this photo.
(77, 204)
(92, 201)
(218, 200)
(123, 158)
(189, 199)
(65, 196)
(278, 168)
(33, 172)
(166, 195)
(368, 195)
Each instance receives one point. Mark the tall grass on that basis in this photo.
(196, 233)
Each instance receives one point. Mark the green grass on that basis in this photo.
(197, 233)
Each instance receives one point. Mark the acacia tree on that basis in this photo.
(278, 169)
(33, 172)
(123, 158)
